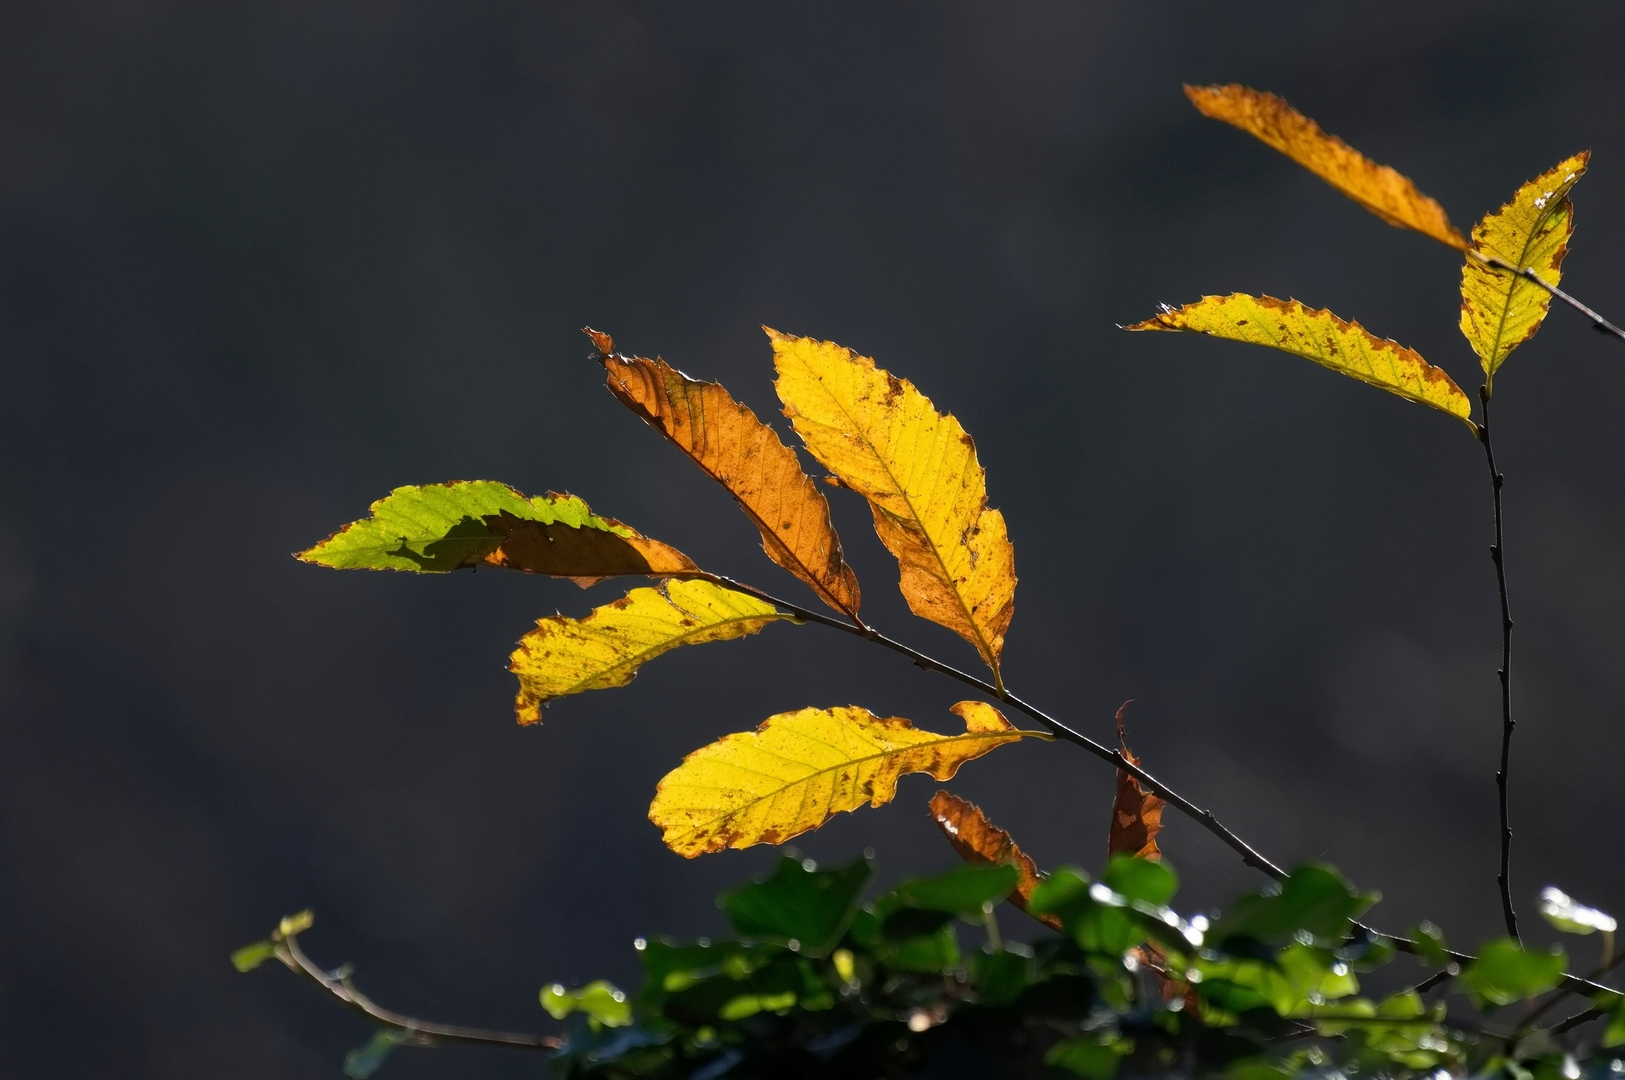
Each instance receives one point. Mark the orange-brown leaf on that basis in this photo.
(1136, 812)
(1381, 190)
(726, 440)
(977, 840)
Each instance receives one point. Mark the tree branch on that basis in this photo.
(419, 1032)
(1498, 556)
(1116, 758)
(1204, 818)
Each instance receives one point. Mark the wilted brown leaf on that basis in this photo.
(726, 440)
(977, 840)
(1136, 813)
(1381, 190)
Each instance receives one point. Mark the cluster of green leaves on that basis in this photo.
(820, 983)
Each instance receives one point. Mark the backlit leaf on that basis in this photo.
(363, 1061)
(1506, 972)
(978, 841)
(1499, 310)
(1136, 812)
(1572, 917)
(438, 528)
(1381, 190)
(883, 439)
(568, 656)
(744, 455)
(1345, 347)
(799, 903)
(599, 1000)
(799, 769)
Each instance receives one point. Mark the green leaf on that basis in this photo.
(1430, 946)
(1315, 899)
(252, 956)
(799, 905)
(363, 1061)
(1142, 879)
(1001, 976)
(1088, 1057)
(600, 1001)
(964, 890)
(438, 528)
(1614, 1034)
(1572, 917)
(1064, 889)
(1506, 972)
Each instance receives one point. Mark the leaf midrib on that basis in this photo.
(983, 646)
(639, 658)
(1513, 280)
(769, 535)
(1013, 733)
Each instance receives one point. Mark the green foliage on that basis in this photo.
(600, 1002)
(1506, 972)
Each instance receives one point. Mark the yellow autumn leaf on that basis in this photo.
(799, 769)
(1500, 310)
(726, 440)
(883, 439)
(1383, 191)
(568, 656)
(1345, 347)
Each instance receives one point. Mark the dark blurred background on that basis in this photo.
(262, 262)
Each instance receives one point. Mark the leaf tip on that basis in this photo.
(600, 341)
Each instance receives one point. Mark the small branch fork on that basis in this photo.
(417, 1032)
(1204, 818)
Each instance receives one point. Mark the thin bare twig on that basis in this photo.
(420, 1032)
(1498, 556)
(1598, 323)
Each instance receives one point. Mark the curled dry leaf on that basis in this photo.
(917, 468)
(438, 528)
(1381, 190)
(1136, 812)
(568, 656)
(799, 769)
(1500, 310)
(978, 841)
(726, 440)
(1346, 347)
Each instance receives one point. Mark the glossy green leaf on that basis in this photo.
(1141, 879)
(1506, 972)
(363, 1061)
(1430, 945)
(1315, 899)
(1062, 890)
(252, 956)
(964, 890)
(600, 1001)
(1572, 917)
(1614, 1033)
(1001, 976)
(1087, 1057)
(799, 903)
